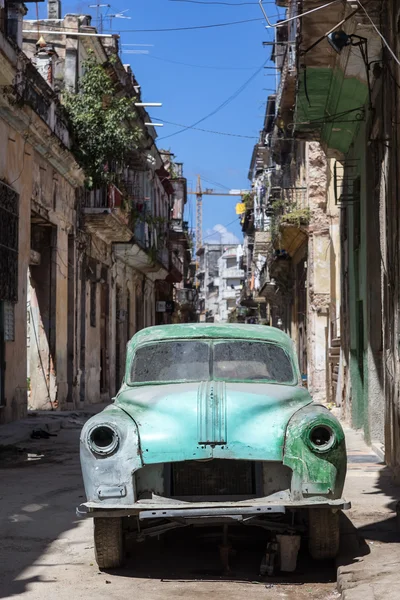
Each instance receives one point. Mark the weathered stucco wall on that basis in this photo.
(319, 272)
(16, 159)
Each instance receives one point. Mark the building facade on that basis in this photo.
(291, 227)
(230, 282)
(39, 182)
(342, 122)
(82, 268)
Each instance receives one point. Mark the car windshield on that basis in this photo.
(235, 360)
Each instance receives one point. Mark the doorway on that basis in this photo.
(2, 356)
(41, 316)
(104, 328)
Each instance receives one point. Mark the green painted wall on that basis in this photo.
(358, 298)
(330, 93)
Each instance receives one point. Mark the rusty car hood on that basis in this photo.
(194, 421)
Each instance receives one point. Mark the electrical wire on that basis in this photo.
(308, 12)
(221, 106)
(220, 185)
(216, 232)
(224, 3)
(190, 28)
(175, 62)
(120, 31)
(247, 137)
(379, 33)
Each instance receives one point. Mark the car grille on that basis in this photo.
(213, 478)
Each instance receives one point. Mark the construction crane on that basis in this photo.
(199, 193)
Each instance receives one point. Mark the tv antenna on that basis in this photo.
(118, 15)
(99, 15)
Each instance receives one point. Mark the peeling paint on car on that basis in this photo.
(166, 423)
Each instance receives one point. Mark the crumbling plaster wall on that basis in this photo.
(319, 272)
(16, 159)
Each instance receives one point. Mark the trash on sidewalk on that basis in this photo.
(41, 434)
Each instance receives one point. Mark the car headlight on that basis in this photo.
(321, 438)
(103, 439)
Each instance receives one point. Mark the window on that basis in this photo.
(93, 289)
(357, 213)
(172, 361)
(9, 211)
(231, 262)
(235, 360)
(232, 282)
(9, 322)
(249, 361)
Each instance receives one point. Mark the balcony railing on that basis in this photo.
(176, 263)
(230, 294)
(107, 197)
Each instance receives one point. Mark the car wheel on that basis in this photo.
(108, 542)
(323, 533)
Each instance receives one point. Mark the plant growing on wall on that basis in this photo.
(298, 217)
(101, 123)
(248, 200)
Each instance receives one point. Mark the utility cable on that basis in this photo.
(175, 62)
(225, 226)
(248, 137)
(190, 28)
(221, 106)
(224, 3)
(379, 33)
(80, 30)
(308, 12)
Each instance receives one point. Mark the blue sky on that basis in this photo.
(188, 93)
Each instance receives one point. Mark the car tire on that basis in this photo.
(323, 533)
(108, 542)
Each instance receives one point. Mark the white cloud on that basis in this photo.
(219, 234)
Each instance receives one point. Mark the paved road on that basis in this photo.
(45, 552)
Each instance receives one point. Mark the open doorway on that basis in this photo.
(104, 331)
(41, 316)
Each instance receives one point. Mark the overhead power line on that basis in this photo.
(225, 226)
(176, 62)
(189, 28)
(384, 40)
(223, 3)
(78, 29)
(247, 137)
(300, 16)
(221, 106)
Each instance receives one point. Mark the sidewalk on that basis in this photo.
(370, 569)
(18, 432)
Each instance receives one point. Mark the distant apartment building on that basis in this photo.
(219, 280)
(230, 280)
(208, 282)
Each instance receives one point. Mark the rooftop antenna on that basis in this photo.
(119, 15)
(132, 51)
(99, 15)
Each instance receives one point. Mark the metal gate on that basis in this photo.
(9, 210)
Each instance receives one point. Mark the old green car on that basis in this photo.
(212, 425)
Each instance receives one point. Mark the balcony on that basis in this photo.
(333, 89)
(104, 215)
(142, 254)
(229, 294)
(175, 268)
(232, 273)
(186, 296)
(262, 242)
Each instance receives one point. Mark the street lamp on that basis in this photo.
(152, 104)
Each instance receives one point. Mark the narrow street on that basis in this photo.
(45, 549)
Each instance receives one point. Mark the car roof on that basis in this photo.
(212, 331)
